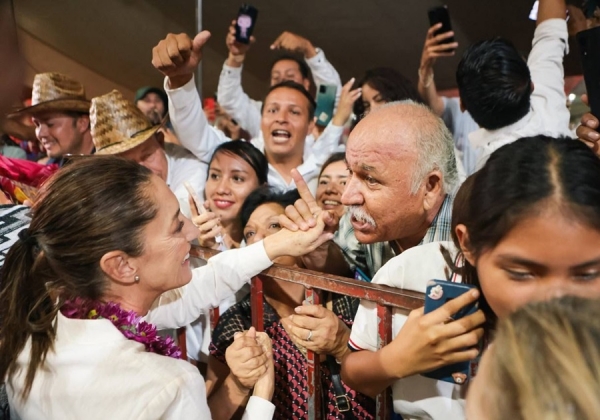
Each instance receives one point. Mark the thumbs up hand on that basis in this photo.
(178, 56)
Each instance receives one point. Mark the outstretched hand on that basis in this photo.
(347, 99)
(435, 48)
(305, 212)
(588, 130)
(177, 56)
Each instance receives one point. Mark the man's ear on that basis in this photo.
(119, 267)
(306, 84)
(433, 189)
(311, 125)
(463, 239)
(160, 138)
(83, 123)
(462, 107)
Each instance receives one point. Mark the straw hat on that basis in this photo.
(55, 92)
(117, 125)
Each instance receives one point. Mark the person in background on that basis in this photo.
(247, 112)
(332, 182)
(459, 122)
(325, 331)
(120, 128)
(380, 86)
(510, 98)
(60, 113)
(153, 102)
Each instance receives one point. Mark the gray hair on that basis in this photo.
(435, 149)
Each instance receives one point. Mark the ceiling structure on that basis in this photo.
(114, 38)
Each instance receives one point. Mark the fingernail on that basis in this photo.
(595, 136)
(475, 293)
(297, 309)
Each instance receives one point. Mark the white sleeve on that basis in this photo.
(327, 143)
(324, 73)
(258, 409)
(190, 123)
(546, 66)
(222, 276)
(364, 330)
(232, 98)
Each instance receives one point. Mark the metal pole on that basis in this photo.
(198, 30)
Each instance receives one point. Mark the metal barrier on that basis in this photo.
(386, 298)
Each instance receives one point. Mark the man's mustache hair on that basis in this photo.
(361, 215)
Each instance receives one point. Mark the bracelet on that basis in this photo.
(427, 82)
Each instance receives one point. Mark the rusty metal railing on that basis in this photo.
(386, 298)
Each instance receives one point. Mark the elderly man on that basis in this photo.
(119, 128)
(399, 194)
(60, 113)
(287, 116)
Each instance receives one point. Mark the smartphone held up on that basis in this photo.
(441, 15)
(244, 24)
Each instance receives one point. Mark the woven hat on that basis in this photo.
(55, 92)
(118, 125)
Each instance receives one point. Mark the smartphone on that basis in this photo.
(589, 49)
(325, 104)
(201, 210)
(360, 275)
(441, 15)
(244, 24)
(437, 293)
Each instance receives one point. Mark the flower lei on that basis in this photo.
(127, 322)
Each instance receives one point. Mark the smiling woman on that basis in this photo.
(108, 245)
(332, 182)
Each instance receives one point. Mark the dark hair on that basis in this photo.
(76, 115)
(522, 178)
(494, 83)
(336, 157)
(250, 154)
(88, 208)
(391, 85)
(302, 66)
(296, 86)
(264, 195)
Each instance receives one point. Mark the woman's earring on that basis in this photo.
(136, 279)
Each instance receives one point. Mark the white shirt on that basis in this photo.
(94, 372)
(415, 397)
(196, 135)
(247, 111)
(461, 124)
(549, 114)
(184, 166)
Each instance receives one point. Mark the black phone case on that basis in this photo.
(441, 15)
(589, 48)
(244, 24)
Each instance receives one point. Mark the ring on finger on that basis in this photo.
(309, 335)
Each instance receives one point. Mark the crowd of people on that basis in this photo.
(491, 190)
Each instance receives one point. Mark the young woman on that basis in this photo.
(235, 170)
(544, 364)
(531, 232)
(282, 300)
(332, 182)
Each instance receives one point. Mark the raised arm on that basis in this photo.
(551, 9)
(177, 57)
(230, 94)
(433, 49)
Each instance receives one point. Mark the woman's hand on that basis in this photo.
(318, 329)
(588, 130)
(265, 386)
(429, 341)
(208, 225)
(247, 358)
(347, 99)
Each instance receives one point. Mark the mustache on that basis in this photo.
(361, 215)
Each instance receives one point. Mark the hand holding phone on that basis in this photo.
(244, 25)
(441, 15)
(438, 293)
(325, 104)
(202, 210)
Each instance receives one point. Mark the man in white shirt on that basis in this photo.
(120, 128)
(246, 111)
(287, 116)
(510, 98)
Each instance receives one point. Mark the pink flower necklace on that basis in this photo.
(127, 322)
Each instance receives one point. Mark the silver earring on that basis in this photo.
(136, 279)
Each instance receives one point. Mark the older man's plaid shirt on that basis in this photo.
(371, 257)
